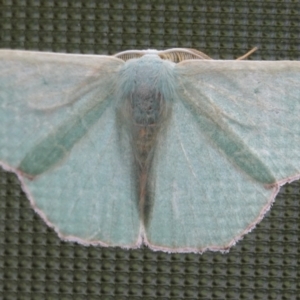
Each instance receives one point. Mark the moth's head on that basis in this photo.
(175, 55)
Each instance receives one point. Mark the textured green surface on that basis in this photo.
(35, 264)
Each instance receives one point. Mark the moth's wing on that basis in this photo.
(50, 80)
(232, 140)
(67, 155)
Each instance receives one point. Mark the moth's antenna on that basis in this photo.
(247, 54)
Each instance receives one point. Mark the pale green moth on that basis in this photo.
(164, 148)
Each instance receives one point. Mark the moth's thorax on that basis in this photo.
(146, 103)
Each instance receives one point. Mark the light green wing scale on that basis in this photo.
(59, 134)
(232, 140)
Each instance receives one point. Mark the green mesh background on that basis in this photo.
(35, 264)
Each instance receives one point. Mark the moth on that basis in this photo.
(170, 149)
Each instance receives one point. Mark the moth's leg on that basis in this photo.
(247, 54)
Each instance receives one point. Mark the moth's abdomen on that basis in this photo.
(144, 144)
